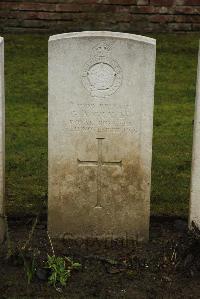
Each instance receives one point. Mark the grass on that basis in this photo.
(173, 123)
(26, 122)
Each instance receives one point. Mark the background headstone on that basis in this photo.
(101, 92)
(194, 214)
(2, 136)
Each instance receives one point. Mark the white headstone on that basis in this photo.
(2, 136)
(101, 93)
(194, 215)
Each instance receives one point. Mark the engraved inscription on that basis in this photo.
(99, 164)
(99, 117)
(102, 75)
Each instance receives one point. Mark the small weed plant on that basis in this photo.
(22, 254)
(59, 273)
(60, 268)
(29, 268)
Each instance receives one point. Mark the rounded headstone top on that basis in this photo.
(1, 39)
(134, 37)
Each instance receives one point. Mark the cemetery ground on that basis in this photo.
(168, 266)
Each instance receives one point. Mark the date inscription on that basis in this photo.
(99, 117)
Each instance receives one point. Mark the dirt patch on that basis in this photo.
(166, 267)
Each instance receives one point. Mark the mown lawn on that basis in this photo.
(26, 123)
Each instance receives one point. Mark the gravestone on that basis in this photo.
(2, 107)
(101, 92)
(194, 214)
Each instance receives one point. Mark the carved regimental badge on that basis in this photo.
(102, 75)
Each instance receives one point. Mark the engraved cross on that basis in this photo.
(99, 164)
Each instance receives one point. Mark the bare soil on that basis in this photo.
(166, 267)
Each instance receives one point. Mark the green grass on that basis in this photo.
(173, 123)
(26, 122)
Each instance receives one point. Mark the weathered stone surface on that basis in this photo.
(2, 155)
(195, 180)
(101, 91)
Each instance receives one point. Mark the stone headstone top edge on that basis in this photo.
(139, 38)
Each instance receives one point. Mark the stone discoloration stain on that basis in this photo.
(122, 191)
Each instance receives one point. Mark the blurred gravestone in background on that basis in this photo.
(195, 180)
(2, 128)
